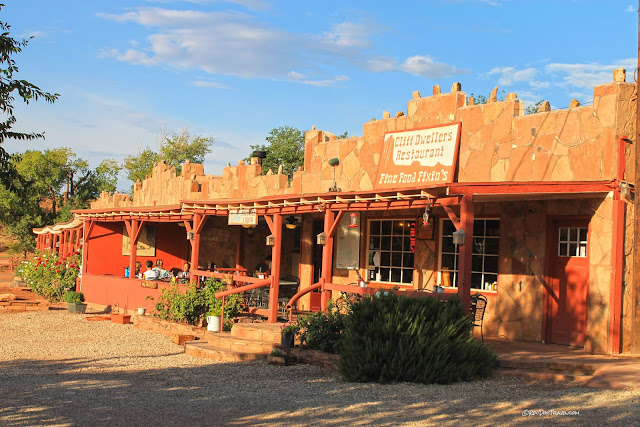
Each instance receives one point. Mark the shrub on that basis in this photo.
(323, 330)
(74, 297)
(189, 304)
(422, 340)
(51, 275)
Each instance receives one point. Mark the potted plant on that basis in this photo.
(288, 334)
(214, 319)
(75, 302)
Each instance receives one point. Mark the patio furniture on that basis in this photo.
(476, 310)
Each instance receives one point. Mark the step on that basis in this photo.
(543, 375)
(265, 332)
(205, 350)
(227, 341)
(577, 368)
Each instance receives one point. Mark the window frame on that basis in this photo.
(454, 273)
(369, 249)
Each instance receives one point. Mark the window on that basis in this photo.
(484, 258)
(391, 246)
(572, 242)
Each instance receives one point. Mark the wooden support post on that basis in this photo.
(239, 248)
(327, 256)
(133, 228)
(466, 250)
(87, 228)
(198, 223)
(276, 252)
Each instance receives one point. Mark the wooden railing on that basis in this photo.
(10, 264)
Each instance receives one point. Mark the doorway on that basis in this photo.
(316, 260)
(568, 281)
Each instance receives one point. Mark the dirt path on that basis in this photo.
(59, 369)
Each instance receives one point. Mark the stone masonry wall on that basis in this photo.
(498, 143)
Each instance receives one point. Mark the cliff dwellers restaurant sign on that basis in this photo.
(248, 217)
(418, 157)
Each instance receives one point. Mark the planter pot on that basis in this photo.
(121, 318)
(141, 311)
(286, 339)
(76, 308)
(214, 323)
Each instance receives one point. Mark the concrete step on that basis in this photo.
(265, 332)
(227, 341)
(543, 375)
(205, 350)
(577, 368)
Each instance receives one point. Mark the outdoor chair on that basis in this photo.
(476, 310)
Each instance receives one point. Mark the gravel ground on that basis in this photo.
(59, 369)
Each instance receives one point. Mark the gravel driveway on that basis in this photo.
(59, 369)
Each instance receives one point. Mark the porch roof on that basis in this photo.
(406, 198)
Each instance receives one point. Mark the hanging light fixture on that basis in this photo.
(353, 216)
(271, 240)
(291, 222)
(321, 239)
(426, 214)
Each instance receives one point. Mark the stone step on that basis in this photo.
(543, 375)
(227, 341)
(204, 350)
(578, 368)
(265, 332)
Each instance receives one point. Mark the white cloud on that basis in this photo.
(630, 9)
(426, 67)
(586, 76)
(510, 75)
(213, 85)
(239, 44)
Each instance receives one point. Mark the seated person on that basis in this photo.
(185, 273)
(150, 274)
(138, 270)
(162, 273)
(264, 267)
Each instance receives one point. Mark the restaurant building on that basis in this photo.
(533, 211)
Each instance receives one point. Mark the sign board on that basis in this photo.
(347, 245)
(418, 157)
(243, 217)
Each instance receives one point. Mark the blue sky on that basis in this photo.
(127, 71)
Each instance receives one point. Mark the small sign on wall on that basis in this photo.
(425, 231)
(243, 217)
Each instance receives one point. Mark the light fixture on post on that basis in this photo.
(271, 240)
(291, 222)
(353, 218)
(458, 237)
(321, 239)
(334, 163)
(190, 235)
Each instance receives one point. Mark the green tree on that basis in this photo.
(286, 147)
(174, 149)
(9, 86)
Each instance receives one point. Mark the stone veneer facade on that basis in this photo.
(499, 143)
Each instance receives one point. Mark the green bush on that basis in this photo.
(74, 297)
(189, 304)
(51, 275)
(323, 330)
(422, 340)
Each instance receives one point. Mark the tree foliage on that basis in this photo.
(174, 149)
(9, 87)
(286, 147)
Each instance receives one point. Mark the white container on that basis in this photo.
(141, 311)
(213, 323)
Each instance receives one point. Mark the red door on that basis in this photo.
(568, 280)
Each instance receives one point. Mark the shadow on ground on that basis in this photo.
(99, 391)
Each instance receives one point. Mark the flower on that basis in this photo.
(289, 328)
